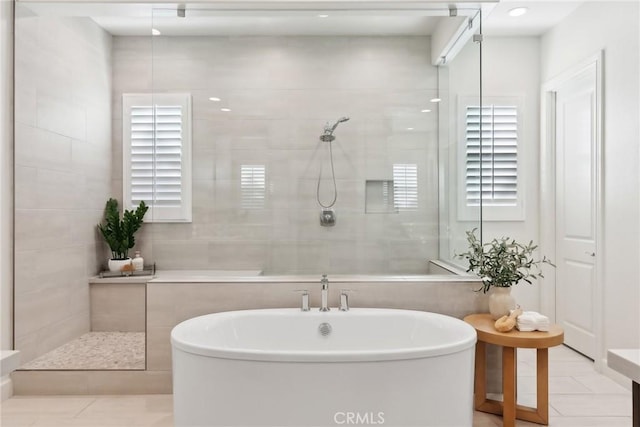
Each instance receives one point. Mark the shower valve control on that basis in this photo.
(344, 299)
(305, 299)
(327, 217)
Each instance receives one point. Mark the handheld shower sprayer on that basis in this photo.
(327, 214)
(340, 120)
(327, 136)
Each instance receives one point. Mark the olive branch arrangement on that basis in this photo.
(502, 262)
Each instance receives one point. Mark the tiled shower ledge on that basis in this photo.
(95, 350)
(190, 277)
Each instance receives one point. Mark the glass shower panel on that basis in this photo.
(460, 92)
(264, 87)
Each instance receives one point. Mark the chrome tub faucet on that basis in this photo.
(325, 293)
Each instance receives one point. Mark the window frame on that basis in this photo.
(468, 212)
(160, 214)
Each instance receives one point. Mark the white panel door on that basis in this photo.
(576, 162)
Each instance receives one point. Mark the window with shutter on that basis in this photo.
(496, 160)
(253, 185)
(157, 155)
(405, 187)
(499, 163)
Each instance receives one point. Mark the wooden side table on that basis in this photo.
(510, 341)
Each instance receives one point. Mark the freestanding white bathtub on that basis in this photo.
(286, 367)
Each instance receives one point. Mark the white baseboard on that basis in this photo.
(6, 388)
(615, 375)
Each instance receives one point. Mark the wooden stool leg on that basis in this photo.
(515, 363)
(542, 380)
(508, 387)
(480, 384)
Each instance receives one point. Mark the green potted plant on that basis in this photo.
(119, 232)
(500, 264)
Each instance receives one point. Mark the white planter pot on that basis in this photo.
(117, 264)
(500, 302)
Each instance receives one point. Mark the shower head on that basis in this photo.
(340, 120)
(328, 130)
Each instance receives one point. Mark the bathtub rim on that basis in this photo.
(466, 343)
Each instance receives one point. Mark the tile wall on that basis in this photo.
(62, 175)
(281, 91)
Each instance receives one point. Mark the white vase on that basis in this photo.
(500, 302)
(117, 264)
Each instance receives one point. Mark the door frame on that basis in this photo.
(548, 195)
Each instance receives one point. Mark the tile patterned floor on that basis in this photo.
(578, 397)
(95, 350)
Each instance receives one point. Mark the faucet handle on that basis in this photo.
(344, 299)
(305, 299)
(324, 282)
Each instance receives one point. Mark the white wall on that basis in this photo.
(62, 174)
(6, 174)
(281, 91)
(510, 69)
(612, 27)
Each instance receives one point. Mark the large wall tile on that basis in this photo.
(59, 116)
(159, 348)
(118, 307)
(41, 229)
(39, 148)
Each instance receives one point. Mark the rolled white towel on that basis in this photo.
(532, 321)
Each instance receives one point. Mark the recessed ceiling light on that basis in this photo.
(323, 16)
(226, 110)
(214, 99)
(436, 99)
(425, 111)
(518, 11)
(155, 32)
(409, 128)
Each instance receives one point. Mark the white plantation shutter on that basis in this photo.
(253, 185)
(157, 155)
(499, 161)
(405, 187)
(387, 194)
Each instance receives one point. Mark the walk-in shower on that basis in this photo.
(216, 120)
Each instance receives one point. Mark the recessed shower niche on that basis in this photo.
(231, 159)
(379, 197)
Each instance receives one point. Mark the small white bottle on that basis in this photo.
(138, 262)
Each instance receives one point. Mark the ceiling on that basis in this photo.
(302, 18)
(542, 15)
